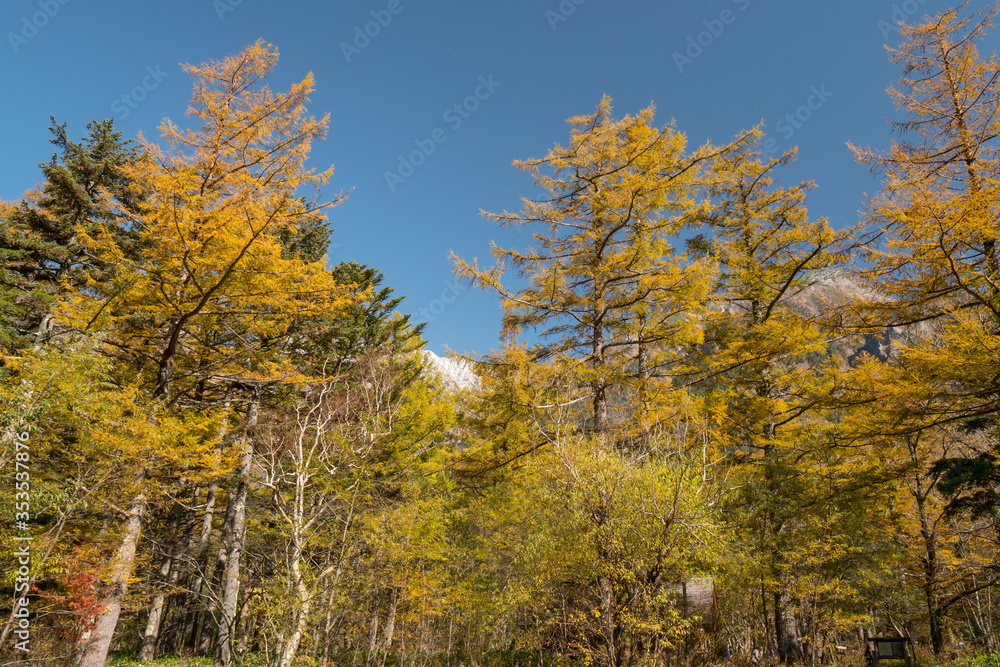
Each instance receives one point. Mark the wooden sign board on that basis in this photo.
(891, 648)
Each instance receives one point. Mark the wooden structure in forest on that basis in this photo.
(889, 648)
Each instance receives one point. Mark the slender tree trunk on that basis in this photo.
(96, 650)
(166, 583)
(930, 573)
(290, 645)
(373, 632)
(785, 628)
(328, 629)
(198, 568)
(286, 654)
(234, 558)
(205, 626)
(607, 602)
(243, 627)
(230, 576)
(168, 576)
(336, 582)
(180, 574)
(786, 635)
(206, 629)
(599, 386)
(764, 614)
(195, 573)
(390, 628)
(929, 562)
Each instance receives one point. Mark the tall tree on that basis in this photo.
(40, 249)
(934, 264)
(760, 337)
(606, 283)
(614, 302)
(204, 307)
(934, 256)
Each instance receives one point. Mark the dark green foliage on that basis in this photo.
(972, 484)
(39, 250)
(373, 324)
(310, 240)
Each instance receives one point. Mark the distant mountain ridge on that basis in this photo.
(835, 287)
(829, 289)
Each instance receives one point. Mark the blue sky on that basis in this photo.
(517, 69)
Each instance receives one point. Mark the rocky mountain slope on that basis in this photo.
(829, 290)
(455, 373)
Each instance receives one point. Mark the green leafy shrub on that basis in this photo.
(980, 660)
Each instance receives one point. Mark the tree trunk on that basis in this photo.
(930, 574)
(930, 565)
(328, 630)
(230, 575)
(785, 629)
(206, 629)
(166, 583)
(286, 655)
(608, 611)
(290, 646)
(200, 568)
(96, 650)
(599, 386)
(373, 633)
(243, 627)
(195, 575)
(234, 557)
(336, 582)
(194, 623)
(390, 628)
(786, 635)
(168, 573)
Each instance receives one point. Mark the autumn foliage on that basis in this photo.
(712, 418)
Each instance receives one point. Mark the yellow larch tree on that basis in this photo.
(606, 292)
(933, 258)
(764, 346)
(933, 265)
(210, 307)
(595, 329)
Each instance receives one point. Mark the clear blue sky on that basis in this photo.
(546, 60)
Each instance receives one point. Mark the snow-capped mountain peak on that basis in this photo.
(456, 373)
